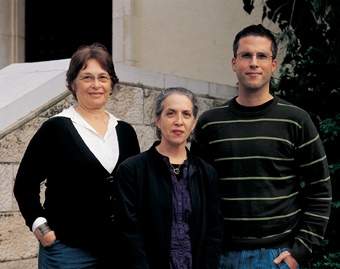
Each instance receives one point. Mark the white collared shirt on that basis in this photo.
(106, 149)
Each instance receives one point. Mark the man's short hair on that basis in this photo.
(255, 30)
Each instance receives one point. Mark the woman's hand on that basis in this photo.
(46, 239)
(287, 258)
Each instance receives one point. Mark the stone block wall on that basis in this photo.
(132, 103)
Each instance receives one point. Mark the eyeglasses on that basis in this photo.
(260, 56)
(90, 78)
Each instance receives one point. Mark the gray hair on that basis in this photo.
(158, 109)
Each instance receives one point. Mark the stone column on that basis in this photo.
(12, 31)
(122, 32)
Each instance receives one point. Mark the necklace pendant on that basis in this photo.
(177, 170)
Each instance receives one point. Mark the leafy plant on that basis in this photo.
(330, 261)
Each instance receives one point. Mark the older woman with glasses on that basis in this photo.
(77, 153)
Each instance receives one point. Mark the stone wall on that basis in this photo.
(132, 103)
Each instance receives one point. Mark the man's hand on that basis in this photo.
(287, 258)
(47, 239)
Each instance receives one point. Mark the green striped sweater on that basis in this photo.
(274, 181)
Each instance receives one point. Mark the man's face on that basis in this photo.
(254, 64)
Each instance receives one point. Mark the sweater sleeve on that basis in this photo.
(32, 171)
(128, 141)
(199, 143)
(214, 220)
(127, 217)
(133, 142)
(313, 172)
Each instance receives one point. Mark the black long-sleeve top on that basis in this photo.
(79, 190)
(144, 211)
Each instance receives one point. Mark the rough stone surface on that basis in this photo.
(204, 104)
(20, 264)
(16, 241)
(13, 145)
(146, 136)
(15, 206)
(57, 108)
(219, 102)
(149, 103)
(127, 104)
(6, 186)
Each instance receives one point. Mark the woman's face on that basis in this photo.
(92, 86)
(176, 121)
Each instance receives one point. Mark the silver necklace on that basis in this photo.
(177, 170)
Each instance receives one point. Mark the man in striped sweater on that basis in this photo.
(274, 181)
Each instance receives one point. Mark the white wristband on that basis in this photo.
(38, 222)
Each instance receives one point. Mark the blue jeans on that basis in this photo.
(252, 259)
(60, 256)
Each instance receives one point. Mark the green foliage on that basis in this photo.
(330, 128)
(329, 261)
(330, 133)
(336, 204)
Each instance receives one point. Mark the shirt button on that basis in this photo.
(109, 179)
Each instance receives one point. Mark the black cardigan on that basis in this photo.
(144, 211)
(79, 190)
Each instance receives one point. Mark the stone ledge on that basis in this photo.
(20, 264)
(147, 79)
